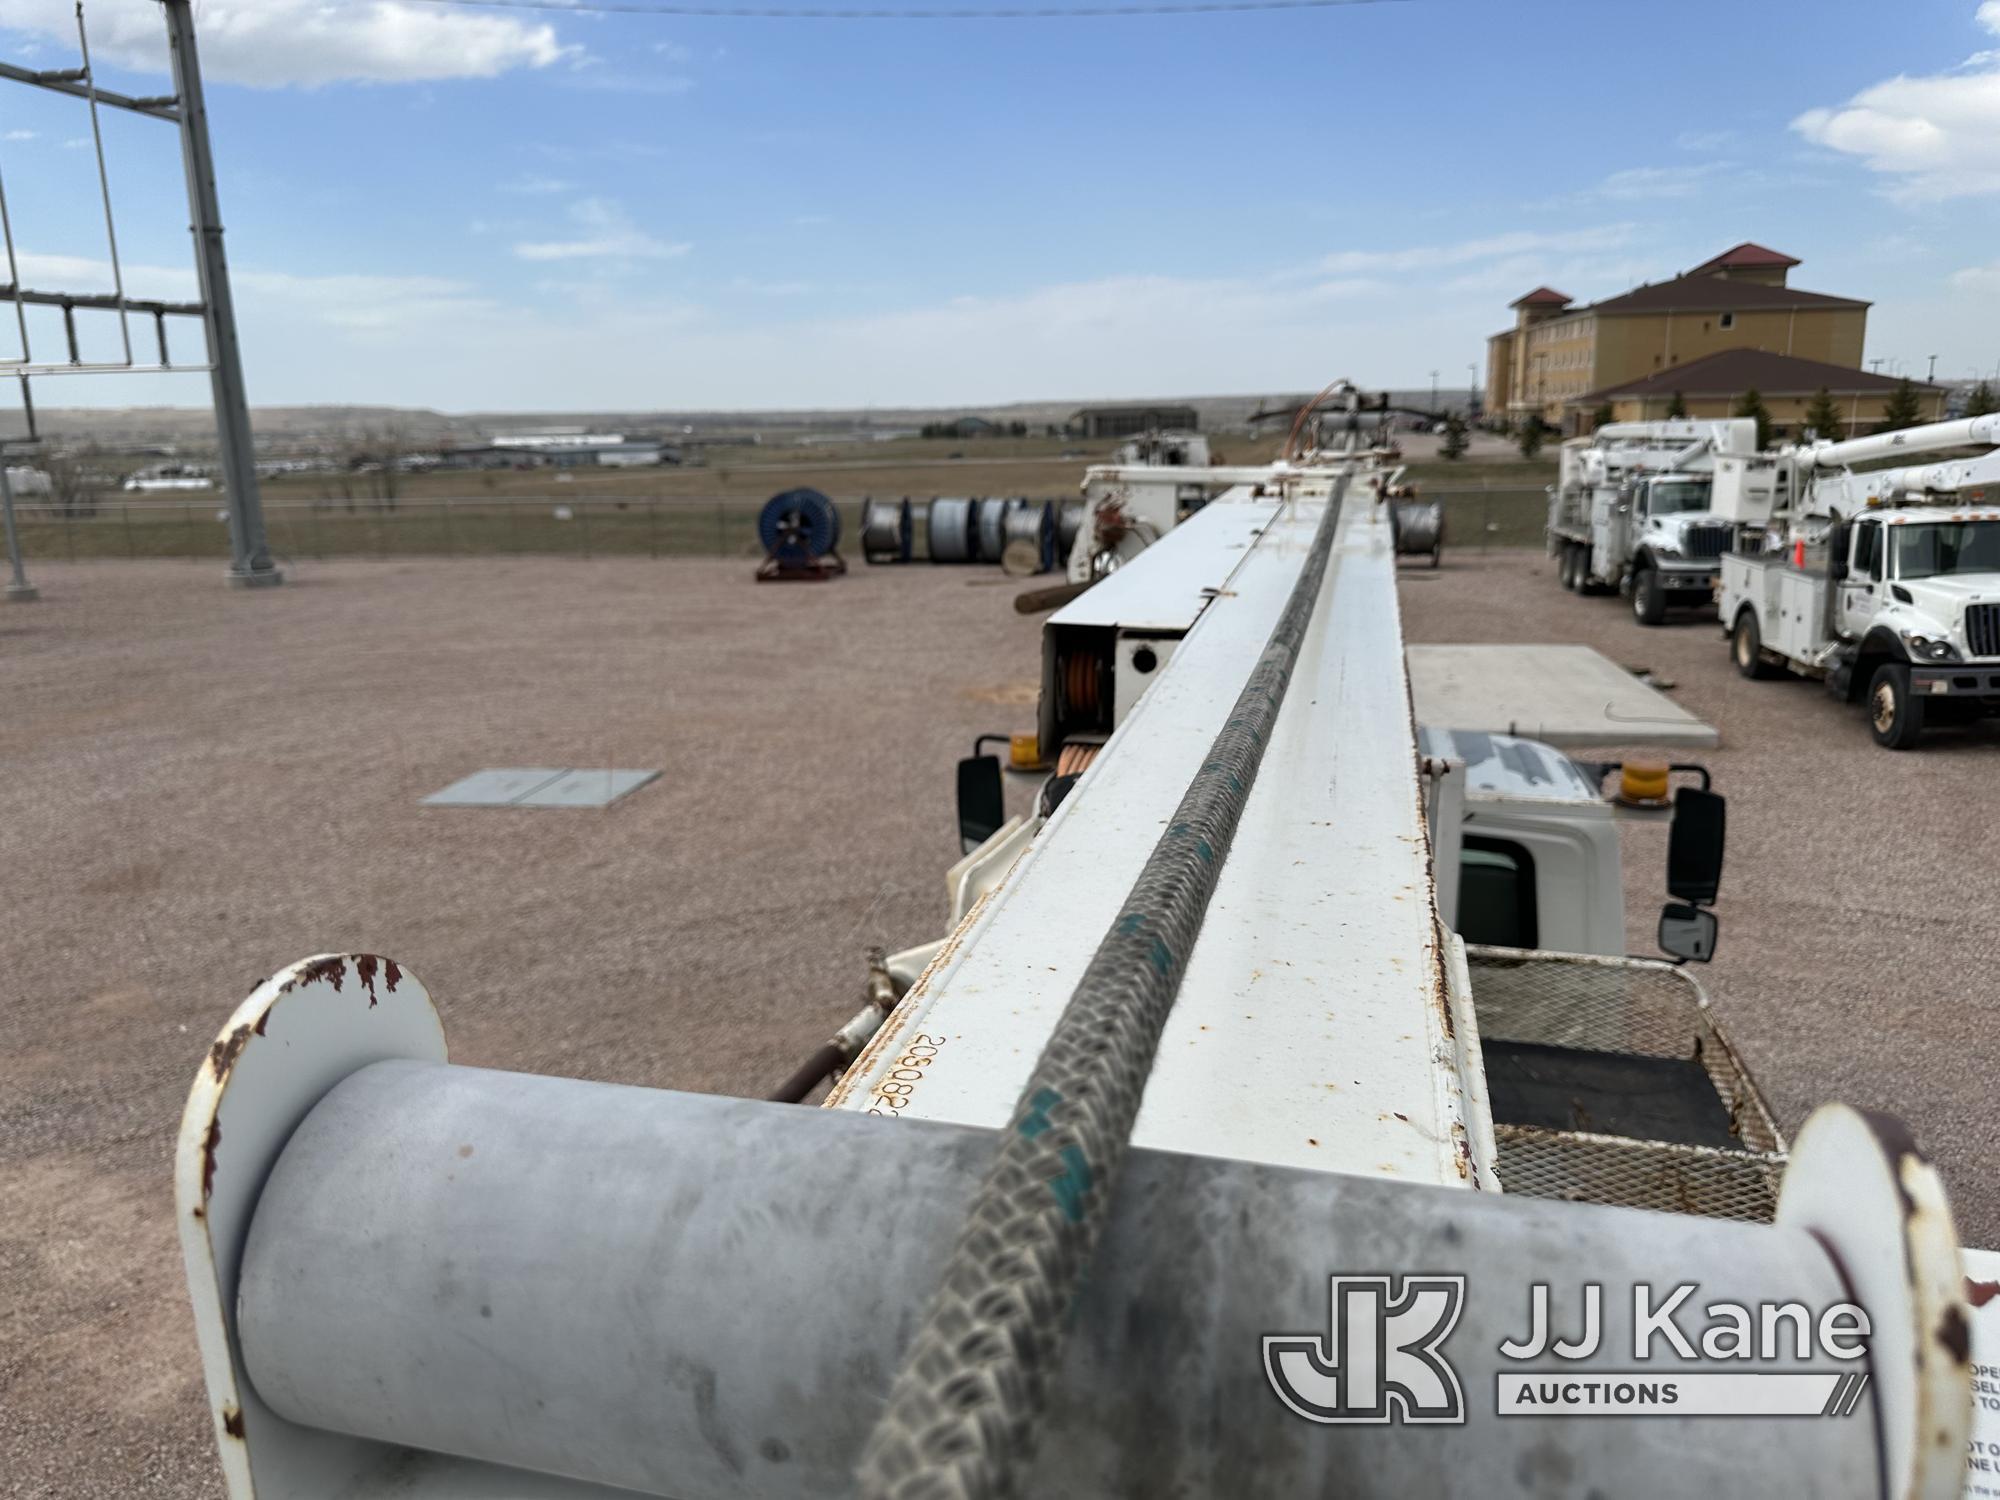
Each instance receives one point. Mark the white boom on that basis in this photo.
(416, 1279)
(1934, 437)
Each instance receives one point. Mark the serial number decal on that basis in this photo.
(892, 1094)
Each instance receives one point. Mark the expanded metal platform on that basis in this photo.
(1612, 1084)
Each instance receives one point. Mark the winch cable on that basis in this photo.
(961, 1412)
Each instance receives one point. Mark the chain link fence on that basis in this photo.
(1488, 517)
(485, 526)
(624, 526)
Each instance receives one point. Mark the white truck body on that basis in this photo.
(1492, 709)
(1885, 584)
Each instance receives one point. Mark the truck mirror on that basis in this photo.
(1688, 932)
(1836, 553)
(1694, 846)
(982, 804)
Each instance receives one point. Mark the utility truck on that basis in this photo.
(1884, 584)
(1201, 1159)
(1631, 511)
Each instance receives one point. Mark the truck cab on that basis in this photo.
(1667, 527)
(1916, 605)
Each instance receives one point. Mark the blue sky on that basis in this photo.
(478, 209)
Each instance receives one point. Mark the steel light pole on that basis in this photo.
(19, 590)
(250, 564)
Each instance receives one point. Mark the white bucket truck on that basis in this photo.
(1884, 584)
(1631, 510)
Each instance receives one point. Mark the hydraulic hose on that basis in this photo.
(962, 1410)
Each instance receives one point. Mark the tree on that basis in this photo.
(76, 483)
(1602, 417)
(1455, 441)
(1901, 409)
(1823, 417)
(1982, 401)
(1750, 404)
(1529, 437)
(1677, 409)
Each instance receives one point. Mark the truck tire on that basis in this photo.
(1746, 646)
(1578, 579)
(1895, 714)
(1649, 597)
(1565, 560)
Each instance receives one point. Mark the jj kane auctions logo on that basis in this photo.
(1382, 1358)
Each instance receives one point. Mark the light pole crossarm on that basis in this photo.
(70, 81)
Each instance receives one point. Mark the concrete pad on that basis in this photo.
(1562, 695)
(501, 788)
(586, 789)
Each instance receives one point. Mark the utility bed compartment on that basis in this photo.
(1791, 602)
(1610, 1082)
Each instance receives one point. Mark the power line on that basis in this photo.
(926, 13)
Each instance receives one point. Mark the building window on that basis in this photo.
(1727, 320)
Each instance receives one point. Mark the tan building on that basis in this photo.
(1557, 354)
(1712, 386)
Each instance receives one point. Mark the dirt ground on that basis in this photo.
(206, 785)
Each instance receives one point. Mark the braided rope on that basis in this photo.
(961, 1411)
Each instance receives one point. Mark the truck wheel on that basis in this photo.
(1649, 597)
(1746, 644)
(1579, 568)
(1565, 560)
(1895, 715)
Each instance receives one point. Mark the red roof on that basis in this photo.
(1541, 296)
(1746, 254)
(1730, 372)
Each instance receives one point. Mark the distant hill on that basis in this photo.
(279, 429)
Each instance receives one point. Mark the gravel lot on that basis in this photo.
(205, 785)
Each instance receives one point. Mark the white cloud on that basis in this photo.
(1646, 184)
(369, 310)
(535, 185)
(770, 288)
(1937, 135)
(608, 234)
(1467, 252)
(1705, 140)
(1979, 278)
(273, 43)
(20, 135)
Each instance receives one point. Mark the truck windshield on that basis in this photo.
(1947, 547)
(1676, 497)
